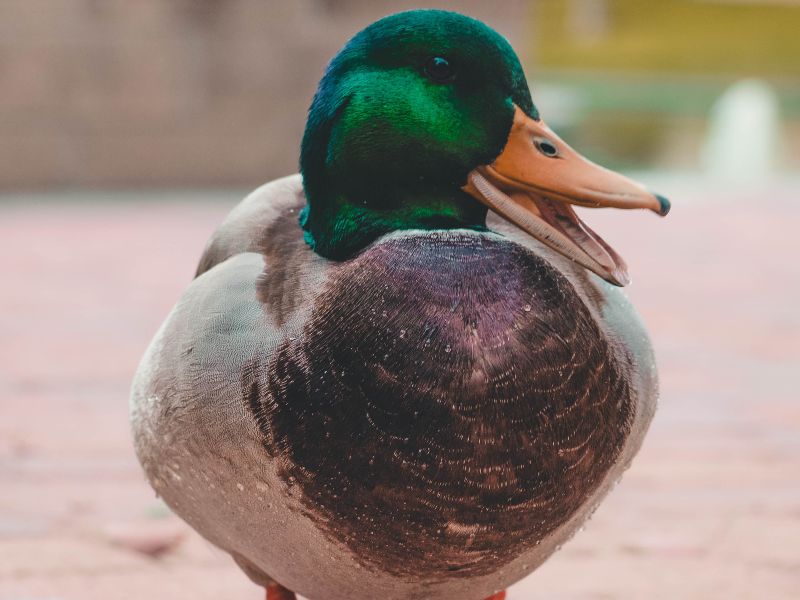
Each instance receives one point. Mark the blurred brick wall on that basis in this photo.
(104, 93)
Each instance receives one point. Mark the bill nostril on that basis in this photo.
(546, 147)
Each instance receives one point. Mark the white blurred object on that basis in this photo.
(561, 106)
(743, 135)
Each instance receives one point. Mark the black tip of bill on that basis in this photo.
(665, 205)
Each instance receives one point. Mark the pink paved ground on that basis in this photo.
(710, 509)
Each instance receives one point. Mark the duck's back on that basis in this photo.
(438, 412)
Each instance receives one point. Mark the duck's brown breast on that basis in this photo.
(449, 404)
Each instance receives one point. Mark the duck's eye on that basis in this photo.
(546, 147)
(439, 69)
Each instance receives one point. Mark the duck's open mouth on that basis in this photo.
(537, 178)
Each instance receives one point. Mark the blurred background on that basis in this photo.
(190, 94)
(129, 129)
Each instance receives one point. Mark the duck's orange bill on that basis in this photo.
(537, 178)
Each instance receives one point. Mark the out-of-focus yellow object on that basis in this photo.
(734, 37)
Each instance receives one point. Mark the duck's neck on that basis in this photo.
(341, 220)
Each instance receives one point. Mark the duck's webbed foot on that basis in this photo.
(278, 592)
(498, 596)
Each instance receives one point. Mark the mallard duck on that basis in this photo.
(407, 372)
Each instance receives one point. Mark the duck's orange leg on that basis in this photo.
(498, 596)
(278, 592)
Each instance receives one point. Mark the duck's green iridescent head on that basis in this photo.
(406, 115)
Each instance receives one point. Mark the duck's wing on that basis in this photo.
(254, 290)
(265, 221)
